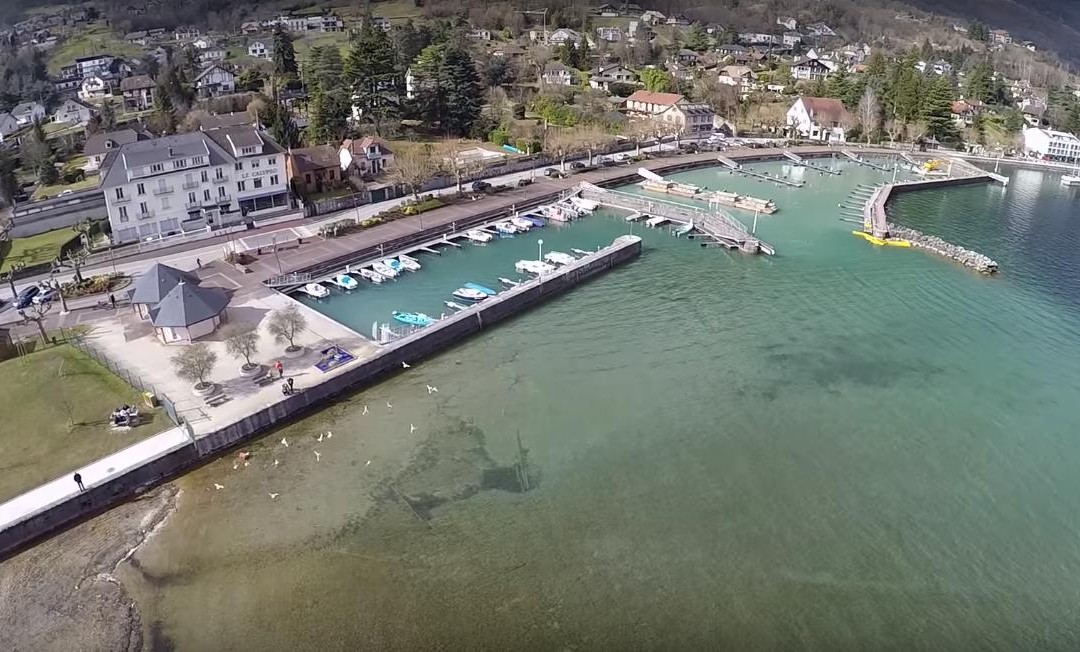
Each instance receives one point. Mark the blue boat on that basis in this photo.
(480, 288)
(413, 318)
(535, 220)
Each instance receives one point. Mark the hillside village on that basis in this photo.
(320, 109)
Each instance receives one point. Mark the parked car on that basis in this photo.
(622, 158)
(605, 161)
(524, 181)
(577, 165)
(45, 296)
(481, 186)
(551, 172)
(26, 297)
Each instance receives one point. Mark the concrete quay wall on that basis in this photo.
(426, 342)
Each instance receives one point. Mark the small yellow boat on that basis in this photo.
(881, 242)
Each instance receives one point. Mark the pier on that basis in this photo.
(861, 161)
(715, 224)
(656, 183)
(736, 168)
(800, 161)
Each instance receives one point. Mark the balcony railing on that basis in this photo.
(192, 205)
(190, 185)
(145, 215)
(121, 200)
(214, 201)
(222, 179)
(163, 190)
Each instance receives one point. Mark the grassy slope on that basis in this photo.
(37, 442)
(34, 250)
(85, 40)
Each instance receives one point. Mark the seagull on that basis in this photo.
(329, 434)
(404, 365)
(432, 390)
(412, 428)
(247, 463)
(368, 463)
(218, 486)
(365, 409)
(389, 406)
(276, 462)
(273, 496)
(318, 455)
(320, 437)
(235, 465)
(284, 442)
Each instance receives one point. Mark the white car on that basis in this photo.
(621, 158)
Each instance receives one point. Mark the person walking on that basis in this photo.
(198, 263)
(112, 301)
(78, 481)
(291, 390)
(280, 369)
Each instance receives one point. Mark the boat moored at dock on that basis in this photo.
(558, 258)
(509, 283)
(412, 318)
(409, 263)
(384, 269)
(469, 294)
(481, 288)
(316, 290)
(371, 275)
(345, 282)
(476, 235)
(505, 228)
(533, 267)
(522, 223)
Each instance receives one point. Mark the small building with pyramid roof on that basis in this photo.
(153, 284)
(188, 311)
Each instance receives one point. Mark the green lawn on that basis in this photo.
(35, 250)
(85, 40)
(56, 404)
(45, 192)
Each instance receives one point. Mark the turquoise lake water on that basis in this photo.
(839, 447)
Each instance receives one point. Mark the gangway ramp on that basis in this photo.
(798, 160)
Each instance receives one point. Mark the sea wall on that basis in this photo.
(421, 344)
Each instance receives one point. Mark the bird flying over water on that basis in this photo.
(318, 456)
(432, 390)
(365, 409)
(389, 406)
(320, 437)
(329, 434)
(412, 428)
(218, 486)
(368, 463)
(404, 365)
(284, 442)
(273, 496)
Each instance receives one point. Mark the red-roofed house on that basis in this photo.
(818, 118)
(963, 112)
(689, 117)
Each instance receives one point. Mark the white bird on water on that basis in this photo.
(284, 442)
(432, 390)
(404, 365)
(365, 409)
(389, 406)
(329, 434)
(318, 456)
(273, 496)
(412, 428)
(276, 462)
(218, 486)
(368, 463)
(320, 437)
(235, 465)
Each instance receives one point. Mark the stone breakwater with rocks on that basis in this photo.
(973, 259)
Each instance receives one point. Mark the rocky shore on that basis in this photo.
(62, 594)
(966, 257)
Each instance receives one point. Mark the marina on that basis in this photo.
(740, 169)
(656, 183)
(802, 162)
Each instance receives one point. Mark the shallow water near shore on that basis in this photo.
(839, 447)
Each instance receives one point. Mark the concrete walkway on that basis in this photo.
(61, 489)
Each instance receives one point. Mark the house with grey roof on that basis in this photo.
(99, 146)
(74, 112)
(8, 126)
(27, 113)
(189, 311)
(152, 285)
(193, 181)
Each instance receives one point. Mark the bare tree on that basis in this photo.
(195, 363)
(414, 166)
(916, 131)
(593, 138)
(242, 341)
(637, 131)
(869, 112)
(75, 258)
(452, 159)
(723, 99)
(894, 128)
(562, 142)
(285, 324)
(36, 313)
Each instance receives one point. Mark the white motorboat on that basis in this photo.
(521, 223)
(570, 206)
(476, 235)
(586, 205)
(505, 228)
(394, 264)
(508, 283)
(1070, 180)
(371, 275)
(409, 263)
(533, 267)
(384, 269)
(557, 213)
(345, 282)
(558, 258)
(469, 294)
(317, 290)
(453, 305)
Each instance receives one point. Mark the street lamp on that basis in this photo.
(273, 242)
(540, 244)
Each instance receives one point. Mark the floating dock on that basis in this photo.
(763, 176)
(656, 183)
(798, 160)
(861, 161)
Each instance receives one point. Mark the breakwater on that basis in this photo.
(973, 259)
(45, 517)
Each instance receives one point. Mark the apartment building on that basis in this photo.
(1050, 145)
(193, 181)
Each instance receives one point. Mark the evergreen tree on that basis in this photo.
(280, 125)
(463, 98)
(284, 55)
(250, 79)
(904, 90)
(327, 115)
(372, 77)
(9, 184)
(164, 112)
(937, 109)
(108, 116)
(876, 71)
(926, 52)
(409, 40)
(977, 31)
(979, 83)
(838, 84)
(696, 38)
(1072, 119)
(430, 99)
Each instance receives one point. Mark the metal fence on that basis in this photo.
(135, 380)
